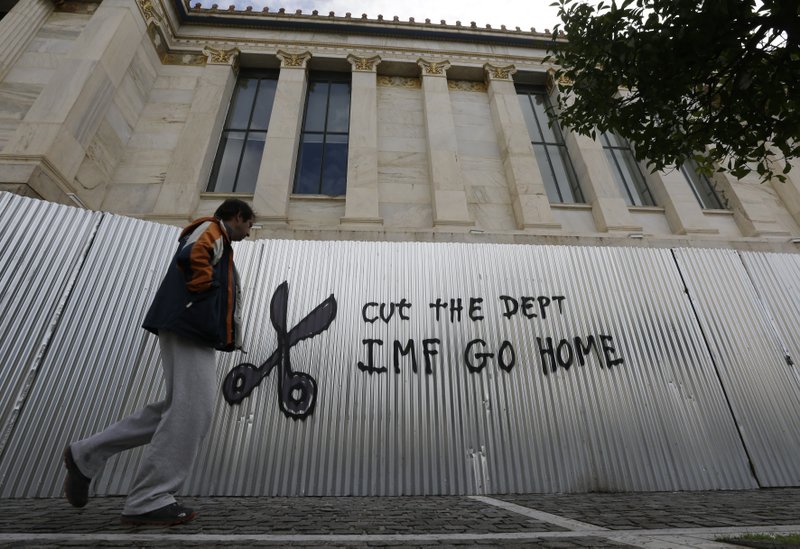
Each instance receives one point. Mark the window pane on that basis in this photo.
(339, 108)
(643, 197)
(334, 175)
(619, 175)
(547, 173)
(251, 160)
(530, 121)
(702, 188)
(563, 174)
(317, 105)
(263, 106)
(242, 105)
(230, 149)
(309, 165)
(540, 105)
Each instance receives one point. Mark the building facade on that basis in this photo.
(338, 127)
(500, 305)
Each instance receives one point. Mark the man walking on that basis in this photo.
(196, 310)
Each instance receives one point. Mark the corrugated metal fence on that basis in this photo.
(449, 368)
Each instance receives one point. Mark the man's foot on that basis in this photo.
(76, 485)
(169, 515)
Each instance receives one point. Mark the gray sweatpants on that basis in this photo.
(174, 427)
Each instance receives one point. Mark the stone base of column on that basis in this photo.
(361, 220)
(34, 176)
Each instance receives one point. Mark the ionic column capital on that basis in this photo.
(433, 68)
(293, 60)
(494, 72)
(364, 64)
(221, 57)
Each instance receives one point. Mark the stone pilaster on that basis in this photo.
(18, 28)
(609, 209)
(448, 196)
(276, 173)
(362, 202)
(50, 143)
(789, 190)
(749, 199)
(526, 186)
(684, 214)
(187, 175)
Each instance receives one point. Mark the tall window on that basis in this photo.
(703, 189)
(244, 134)
(626, 171)
(560, 180)
(322, 159)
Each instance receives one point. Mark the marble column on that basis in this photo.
(683, 211)
(526, 186)
(789, 190)
(50, 143)
(276, 172)
(18, 28)
(749, 199)
(609, 209)
(187, 175)
(362, 202)
(448, 196)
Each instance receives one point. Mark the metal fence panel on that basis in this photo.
(544, 413)
(100, 365)
(42, 246)
(762, 388)
(776, 278)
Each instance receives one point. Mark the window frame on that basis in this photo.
(213, 180)
(623, 153)
(718, 199)
(328, 77)
(572, 183)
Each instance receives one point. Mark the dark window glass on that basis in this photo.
(626, 171)
(554, 162)
(244, 134)
(703, 189)
(322, 159)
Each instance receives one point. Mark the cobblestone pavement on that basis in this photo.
(653, 520)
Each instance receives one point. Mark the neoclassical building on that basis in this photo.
(337, 127)
(498, 305)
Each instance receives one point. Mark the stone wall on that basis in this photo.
(119, 106)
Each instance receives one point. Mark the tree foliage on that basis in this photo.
(713, 80)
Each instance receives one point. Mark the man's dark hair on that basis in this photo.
(233, 207)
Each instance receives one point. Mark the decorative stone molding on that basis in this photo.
(149, 10)
(364, 64)
(431, 68)
(466, 85)
(221, 57)
(551, 83)
(494, 72)
(399, 82)
(293, 60)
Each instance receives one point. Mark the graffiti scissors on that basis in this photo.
(297, 391)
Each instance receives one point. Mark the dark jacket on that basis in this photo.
(199, 296)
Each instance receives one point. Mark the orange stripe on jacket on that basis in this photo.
(200, 260)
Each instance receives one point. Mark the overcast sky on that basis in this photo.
(512, 13)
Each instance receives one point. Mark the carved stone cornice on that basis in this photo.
(221, 57)
(562, 82)
(494, 72)
(431, 68)
(364, 64)
(293, 60)
(149, 11)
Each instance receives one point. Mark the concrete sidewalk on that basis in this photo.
(652, 520)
